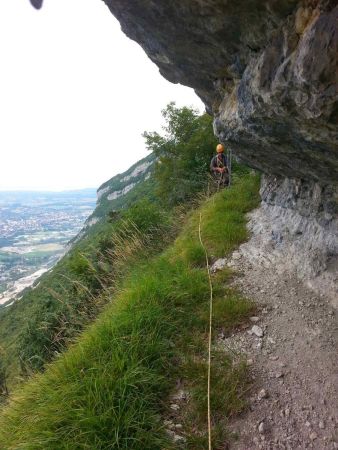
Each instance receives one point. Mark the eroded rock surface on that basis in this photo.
(266, 69)
(295, 230)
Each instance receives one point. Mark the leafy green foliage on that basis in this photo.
(146, 216)
(184, 152)
(3, 377)
(86, 276)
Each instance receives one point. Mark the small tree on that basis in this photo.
(184, 151)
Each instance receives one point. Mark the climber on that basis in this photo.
(219, 167)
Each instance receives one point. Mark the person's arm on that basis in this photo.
(213, 167)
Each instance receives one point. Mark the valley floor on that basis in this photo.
(293, 364)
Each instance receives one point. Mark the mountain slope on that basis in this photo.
(107, 391)
(124, 315)
(55, 309)
(113, 194)
(132, 209)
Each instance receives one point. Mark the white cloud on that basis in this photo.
(75, 95)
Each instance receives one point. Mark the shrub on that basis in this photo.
(184, 152)
(147, 217)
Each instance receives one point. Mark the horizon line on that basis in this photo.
(19, 189)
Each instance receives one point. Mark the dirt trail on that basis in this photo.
(294, 364)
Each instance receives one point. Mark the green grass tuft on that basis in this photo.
(110, 389)
(223, 219)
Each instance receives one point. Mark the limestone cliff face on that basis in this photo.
(267, 71)
(295, 231)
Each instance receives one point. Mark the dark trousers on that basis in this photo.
(221, 179)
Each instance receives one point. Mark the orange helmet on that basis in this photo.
(220, 148)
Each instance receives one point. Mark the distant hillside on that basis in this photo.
(122, 190)
(112, 194)
(117, 194)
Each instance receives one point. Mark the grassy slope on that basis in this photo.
(107, 390)
(38, 308)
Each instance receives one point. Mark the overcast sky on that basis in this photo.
(75, 95)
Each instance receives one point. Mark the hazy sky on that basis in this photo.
(75, 95)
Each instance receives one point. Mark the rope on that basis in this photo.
(210, 329)
(211, 303)
(230, 166)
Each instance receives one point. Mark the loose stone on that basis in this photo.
(178, 438)
(262, 394)
(261, 427)
(254, 319)
(256, 330)
(313, 436)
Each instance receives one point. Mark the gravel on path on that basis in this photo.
(291, 347)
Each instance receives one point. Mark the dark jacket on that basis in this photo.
(218, 161)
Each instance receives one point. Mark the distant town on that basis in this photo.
(35, 228)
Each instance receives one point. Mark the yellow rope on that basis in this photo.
(210, 329)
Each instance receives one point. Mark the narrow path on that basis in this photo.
(294, 363)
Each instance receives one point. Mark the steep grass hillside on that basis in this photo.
(38, 326)
(110, 389)
(41, 325)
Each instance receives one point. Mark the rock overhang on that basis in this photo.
(267, 70)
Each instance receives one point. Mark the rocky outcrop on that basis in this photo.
(123, 183)
(139, 170)
(295, 231)
(116, 194)
(267, 71)
(113, 194)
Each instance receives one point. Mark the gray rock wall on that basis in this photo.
(296, 230)
(267, 70)
(284, 120)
